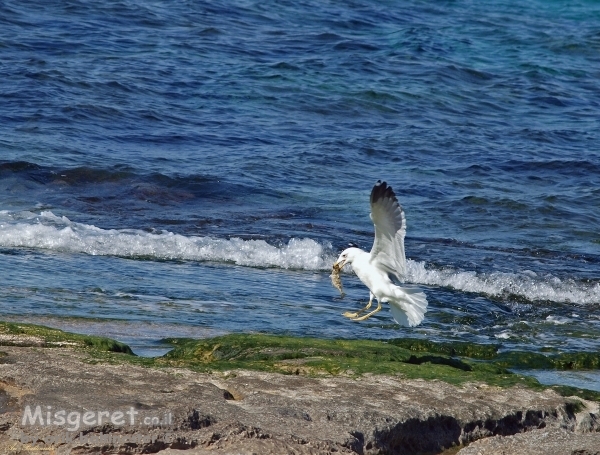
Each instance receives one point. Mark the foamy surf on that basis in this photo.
(524, 285)
(48, 231)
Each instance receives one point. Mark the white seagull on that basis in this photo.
(386, 258)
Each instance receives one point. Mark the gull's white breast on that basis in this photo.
(374, 278)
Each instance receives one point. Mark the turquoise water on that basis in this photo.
(193, 169)
(589, 380)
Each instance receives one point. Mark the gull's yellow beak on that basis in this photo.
(339, 264)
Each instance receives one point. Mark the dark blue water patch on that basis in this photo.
(570, 168)
(123, 176)
(118, 192)
(468, 75)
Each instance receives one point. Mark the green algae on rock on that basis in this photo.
(454, 363)
(462, 349)
(564, 361)
(509, 359)
(18, 334)
(293, 355)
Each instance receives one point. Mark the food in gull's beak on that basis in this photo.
(336, 279)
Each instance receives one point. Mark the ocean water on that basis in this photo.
(194, 168)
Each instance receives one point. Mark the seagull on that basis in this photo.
(408, 305)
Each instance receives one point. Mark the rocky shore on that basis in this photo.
(66, 393)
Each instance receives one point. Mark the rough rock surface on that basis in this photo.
(180, 411)
(556, 442)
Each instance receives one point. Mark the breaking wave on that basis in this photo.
(48, 231)
(525, 285)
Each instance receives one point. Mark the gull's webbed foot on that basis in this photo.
(368, 315)
(355, 314)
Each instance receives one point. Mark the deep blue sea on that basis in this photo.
(194, 168)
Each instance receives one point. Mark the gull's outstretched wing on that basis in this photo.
(390, 228)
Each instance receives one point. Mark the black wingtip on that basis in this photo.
(382, 190)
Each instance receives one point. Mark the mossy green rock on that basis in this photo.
(454, 363)
(37, 335)
(471, 350)
(567, 361)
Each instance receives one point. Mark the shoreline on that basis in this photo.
(267, 394)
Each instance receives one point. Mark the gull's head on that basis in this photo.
(346, 257)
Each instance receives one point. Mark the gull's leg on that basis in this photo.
(351, 315)
(367, 316)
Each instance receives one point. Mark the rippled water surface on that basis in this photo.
(194, 168)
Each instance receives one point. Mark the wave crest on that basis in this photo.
(60, 234)
(48, 231)
(525, 285)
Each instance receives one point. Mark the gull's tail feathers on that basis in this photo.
(408, 306)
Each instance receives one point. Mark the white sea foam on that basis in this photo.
(558, 320)
(60, 234)
(46, 230)
(525, 285)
